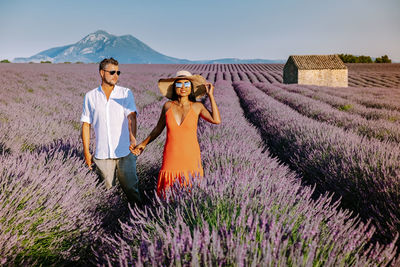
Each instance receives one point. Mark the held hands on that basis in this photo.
(209, 89)
(138, 149)
(133, 144)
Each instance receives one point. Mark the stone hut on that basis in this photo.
(323, 70)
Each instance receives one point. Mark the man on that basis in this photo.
(111, 110)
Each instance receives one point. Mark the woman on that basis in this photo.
(181, 157)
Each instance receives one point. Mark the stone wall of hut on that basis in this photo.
(325, 77)
(290, 72)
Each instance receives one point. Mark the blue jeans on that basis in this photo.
(125, 170)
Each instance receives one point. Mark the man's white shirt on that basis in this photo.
(109, 120)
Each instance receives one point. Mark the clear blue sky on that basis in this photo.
(268, 29)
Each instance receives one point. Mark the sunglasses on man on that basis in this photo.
(112, 72)
(179, 84)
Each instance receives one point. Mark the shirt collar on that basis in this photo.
(112, 92)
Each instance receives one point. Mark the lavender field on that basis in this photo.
(295, 175)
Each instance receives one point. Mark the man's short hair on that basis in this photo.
(107, 61)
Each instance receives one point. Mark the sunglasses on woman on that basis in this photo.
(179, 85)
(112, 72)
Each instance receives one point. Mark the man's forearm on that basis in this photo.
(132, 126)
(86, 137)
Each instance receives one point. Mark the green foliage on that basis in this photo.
(348, 58)
(364, 59)
(47, 61)
(5, 61)
(76, 125)
(26, 146)
(383, 59)
(43, 252)
(154, 95)
(345, 107)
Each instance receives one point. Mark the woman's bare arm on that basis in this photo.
(213, 116)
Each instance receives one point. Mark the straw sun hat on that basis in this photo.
(166, 86)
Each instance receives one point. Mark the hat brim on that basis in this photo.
(166, 85)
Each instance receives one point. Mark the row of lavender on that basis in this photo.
(51, 207)
(360, 75)
(40, 105)
(48, 199)
(363, 172)
(247, 210)
(355, 80)
(380, 128)
(231, 67)
(372, 104)
(52, 210)
(371, 112)
(40, 85)
(53, 95)
(377, 97)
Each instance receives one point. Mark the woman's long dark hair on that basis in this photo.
(192, 97)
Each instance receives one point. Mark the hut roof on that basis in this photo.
(316, 62)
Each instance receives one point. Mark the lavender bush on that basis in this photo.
(364, 173)
(379, 129)
(248, 210)
(374, 79)
(52, 208)
(377, 76)
(372, 97)
(48, 205)
(343, 104)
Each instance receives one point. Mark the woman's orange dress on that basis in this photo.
(181, 157)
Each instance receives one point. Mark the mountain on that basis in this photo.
(126, 49)
(100, 44)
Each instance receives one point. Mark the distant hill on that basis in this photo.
(126, 49)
